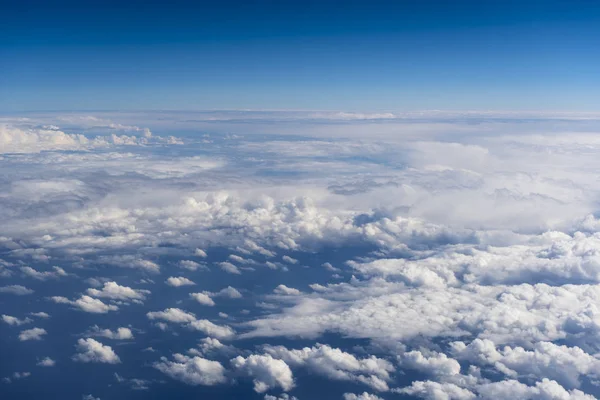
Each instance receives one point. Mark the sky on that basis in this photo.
(310, 55)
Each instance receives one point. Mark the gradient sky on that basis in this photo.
(331, 55)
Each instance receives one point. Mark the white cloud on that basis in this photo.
(283, 396)
(40, 314)
(114, 291)
(286, 291)
(16, 289)
(35, 140)
(192, 265)
(437, 364)
(546, 360)
(120, 333)
(172, 315)
(545, 389)
(86, 304)
(267, 372)
(337, 364)
(361, 396)
(179, 281)
(229, 268)
(15, 321)
(192, 370)
(32, 334)
(46, 362)
(431, 390)
(42, 276)
(179, 316)
(200, 253)
(228, 292)
(202, 298)
(210, 329)
(90, 350)
(16, 375)
(289, 260)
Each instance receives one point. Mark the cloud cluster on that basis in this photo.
(466, 258)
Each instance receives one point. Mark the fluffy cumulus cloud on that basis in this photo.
(431, 390)
(421, 255)
(566, 365)
(337, 364)
(86, 304)
(179, 281)
(203, 298)
(361, 396)
(121, 333)
(55, 273)
(114, 291)
(266, 372)
(92, 351)
(46, 362)
(192, 370)
(32, 334)
(14, 321)
(176, 315)
(16, 289)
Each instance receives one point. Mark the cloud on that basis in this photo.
(430, 390)
(16, 375)
(46, 362)
(437, 364)
(362, 396)
(114, 291)
(120, 333)
(203, 299)
(172, 315)
(192, 370)
(35, 140)
(289, 260)
(229, 268)
(40, 314)
(86, 304)
(179, 316)
(200, 253)
(210, 329)
(267, 372)
(32, 334)
(42, 276)
(13, 321)
(192, 265)
(545, 389)
(178, 281)
(286, 291)
(16, 289)
(90, 350)
(283, 396)
(228, 292)
(206, 297)
(337, 364)
(563, 364)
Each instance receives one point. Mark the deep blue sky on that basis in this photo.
(355, 55)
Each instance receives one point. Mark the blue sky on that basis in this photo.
(530, 55)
